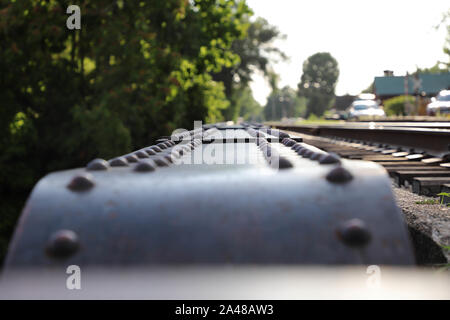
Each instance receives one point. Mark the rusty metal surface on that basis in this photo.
(313, 209)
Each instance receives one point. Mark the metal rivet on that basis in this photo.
(168, 157)
(283, 135)
(156, 148)
(97, 164)
(81, 182)
(144, 166)
(354, 233)
(299, 149)
(307, 154)
(174, 153)
(186, 149)
(62, 244)
(284, 163)
(160, 161)
(118, 162)
(166, 142)
(339, 175)
(315, 156)
(141, 154)
(132, 158)
(329, 159)
(289, 143)
(150, 152)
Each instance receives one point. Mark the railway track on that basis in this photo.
(171, 218)
(214, 195)
(415, 157)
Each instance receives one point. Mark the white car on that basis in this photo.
(440, 104)
(365, 108)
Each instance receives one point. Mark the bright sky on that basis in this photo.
(366, 37)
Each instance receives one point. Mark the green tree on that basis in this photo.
(318, 82)
(284, 103)
(136, 70)
(249, 108)
(256, 51)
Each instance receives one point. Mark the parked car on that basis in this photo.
(439, 104)
(365, 108)
(366, 96)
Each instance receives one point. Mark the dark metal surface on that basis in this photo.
(275, 205)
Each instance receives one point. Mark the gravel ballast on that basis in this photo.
(429, 225)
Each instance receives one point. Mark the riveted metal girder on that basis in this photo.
(231, 205)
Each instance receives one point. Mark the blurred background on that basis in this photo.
(137, 70)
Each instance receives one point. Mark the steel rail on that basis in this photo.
(435, 142)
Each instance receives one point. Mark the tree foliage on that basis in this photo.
(318, 82)
(249, 108)
(256, 52)
(136, 70)
(396, 106)
(284, 103)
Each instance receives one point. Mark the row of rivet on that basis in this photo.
(337, 175)
(272, 155)
(147, 159)
(353, 232)
(265, 131)
(64, 243)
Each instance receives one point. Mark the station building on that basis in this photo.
(425, 84)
